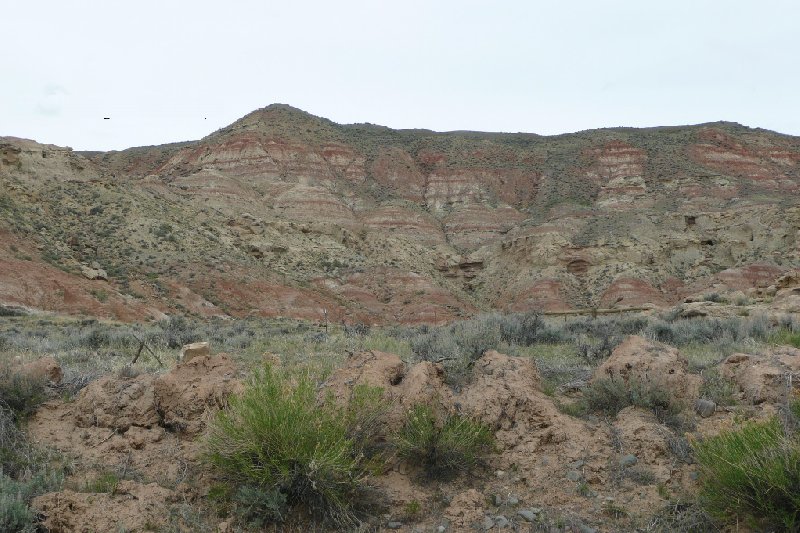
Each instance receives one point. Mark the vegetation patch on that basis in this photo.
(610, 396)
(282, 448)
(752, 473)
(443, 449)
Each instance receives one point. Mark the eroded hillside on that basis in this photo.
(285, 213)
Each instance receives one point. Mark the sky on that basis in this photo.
(166, 71)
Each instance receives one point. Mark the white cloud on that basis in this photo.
(52, 101)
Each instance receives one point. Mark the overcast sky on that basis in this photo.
(167, 71)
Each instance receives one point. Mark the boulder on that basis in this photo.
(195, 349)
(704, 408)
(94, 273)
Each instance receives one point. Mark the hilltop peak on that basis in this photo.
(282, 120)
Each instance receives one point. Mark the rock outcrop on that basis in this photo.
(336, 214)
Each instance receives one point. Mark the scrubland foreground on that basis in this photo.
(629, 423)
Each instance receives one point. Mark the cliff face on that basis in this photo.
(284, 213)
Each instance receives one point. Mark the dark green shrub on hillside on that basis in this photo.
(277, 443)
(753, 474)
(443, 449)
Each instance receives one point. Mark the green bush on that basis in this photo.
(610, 396)
(786, 336)
(454, 446)
(752, 473)
(277, 440)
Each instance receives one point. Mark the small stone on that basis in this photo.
(694, 476)
(487, 523)
(195, 349)
(586, 529)
(628, 460)
(513, 500)
(501, 522)
(394, 525)
(574, 475)
(441, 529)
(527, 514)
(704, 408)
(498, 500)
(500, 473)
(536, 510)
(577, 464)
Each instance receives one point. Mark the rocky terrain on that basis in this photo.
(549, 470)
(286, 214)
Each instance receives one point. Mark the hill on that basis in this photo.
(283, 213)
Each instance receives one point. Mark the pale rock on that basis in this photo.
(195, 349)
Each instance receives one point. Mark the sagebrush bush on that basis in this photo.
(612, 395)
(460, 344)
(716, 388)
(21, 392)
(752, 473)
(443, 449)
(276, 438)
(681, 515)
(25, 471)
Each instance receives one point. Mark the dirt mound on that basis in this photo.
(651, 362)
(132, 507)
(185, 396)
(466, 510)
(533, 438)
(45, 368)
(768, 378)
(152, 452)
(144, 423)
(403, 387)
(117, 403)
(641, 436)
(504, 393)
